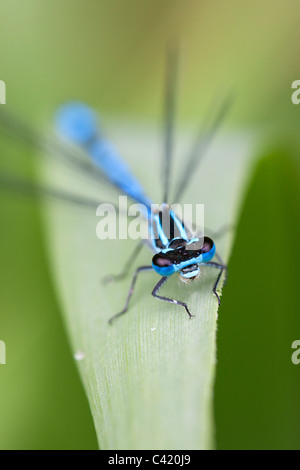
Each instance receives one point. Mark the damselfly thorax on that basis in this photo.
(176, 249)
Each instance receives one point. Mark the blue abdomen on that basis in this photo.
(80, 124)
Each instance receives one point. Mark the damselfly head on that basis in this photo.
(184, 258)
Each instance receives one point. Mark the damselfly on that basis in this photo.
(175, 249)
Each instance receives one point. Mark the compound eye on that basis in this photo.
(207, 245)
(161, 261)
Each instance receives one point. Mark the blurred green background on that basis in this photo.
(111, 54)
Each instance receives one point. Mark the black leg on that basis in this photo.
(221, 267)
(130, 292)
(223, 264)
(129, 262)
(166, 299)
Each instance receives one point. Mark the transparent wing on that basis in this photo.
(27, 188)
(198, 150)
(48, 146)
(169, 117)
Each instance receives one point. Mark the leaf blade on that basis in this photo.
(149, 377)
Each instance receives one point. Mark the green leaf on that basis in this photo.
(256, 393)
(149, 377)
